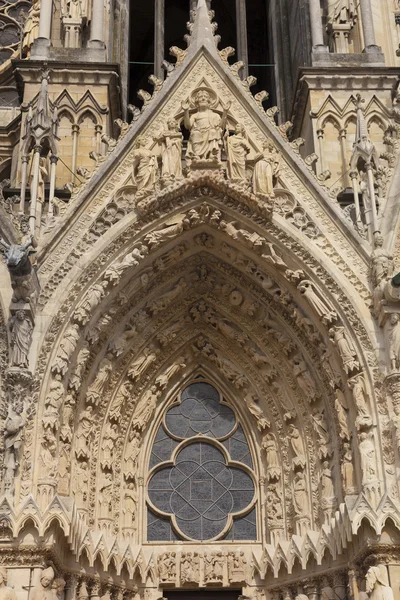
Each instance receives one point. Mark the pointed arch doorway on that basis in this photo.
(202, 594)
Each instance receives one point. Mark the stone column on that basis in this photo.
(46, 7)
(97, 25)
(343, 149)
(241, 35)
(354, 183)
(317, 34)
(35, 170)
(320, 163)
(368, 27)
(24, 174)
(98, 129)
(53, 167)
(374, 214)
(159, 19)
(75, 132)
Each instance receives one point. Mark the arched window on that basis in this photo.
(201, 483)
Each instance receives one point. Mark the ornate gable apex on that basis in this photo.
(201, 65)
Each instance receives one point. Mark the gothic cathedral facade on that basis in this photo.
(199, 300)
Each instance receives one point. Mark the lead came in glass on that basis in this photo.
(201, 489)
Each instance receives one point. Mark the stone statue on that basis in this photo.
(163, 380)
(59, 587)
(190, 567)
(341, 411)
(323, 437)
(6, 593)
(47, 456)
(83, 435)
(273, 506)
(144, 167)
(105, 496)
(381, 261)
(129, 505)
(319, 306)
(31, 27)
(13, 437)
(91, 300)
(237, 567)
(66, 350)
(167, 567)
(205, 126)
(345, 348)
(131, 454)
(109, 438)
(237, 149)
(271, 451)
(52, 404)
(20, 268)
(252, 403)
(44, 590)
(164, 300)
(296, 442)
(140, 364)
(327, 490)
(357, 385)
(171, 155)
(114, 273)
(344, 11)
(377, 583)
(368, 459)
(347, 470)
(300, 495)
(304, 378)
(145, 408)
(76, 377)
(165, 234)
(123, 127)
(21, 337)
(97, 388)
(394, 341)
(266, 168)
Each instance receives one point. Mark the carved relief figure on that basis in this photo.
(296, 442)
(31, 27)
(132, 451)
(304, 378)
(92, 299)
(273, 506)
(357, 385)
(163, 380)
(109, 439)
(300, 495)
(252, 403)
(237, 149)
(237, 567)
(164, 300)
(323, 437)
(145, 408)
(129, 505)
(83, 434)
(21, 337)
(327, 490)
(165, 234)
(141, 364)
(344, 11)
(171, 155)
(76, 377)
(190, 567)
(6, 593)
(66, 349)
(266, 168)
(105, 495)
(59, 587)
(381, 261)
(368, 458)
(13, 436)
(341, 411)
(205, 126)
(167, 567)
(347, 469)
(144, 167)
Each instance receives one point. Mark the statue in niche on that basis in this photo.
(252, 240)
(327, 489)
(213, 566)
(205, 126)
(237, 149)
(190, 567)
(394, 341)
(171, 154)
(269, 446)
(6, 593)
(344, 11)
(368, 459)
(345, 348)
(13, 437)
(44, 590)
(254, 407)
(347, 470)
(52, 404)
(145, 408)
(144, 168)
(114, 272)
(341, 411)
(381, 261)
(21, 337)
(357, 385)
(377, 583)
(138, 367)
(296, 442)
(84, 432)
(105, 496)
(322, 309)
(273, 506)
(47, 456)
(265, 170)
(76, 377)
(99, 385)
(132, 451)
(81, 483)
(300, 495)
(129, 505)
